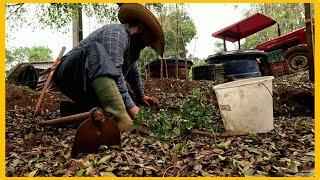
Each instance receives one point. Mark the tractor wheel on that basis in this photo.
(297, 58)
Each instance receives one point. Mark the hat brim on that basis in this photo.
(136, 12)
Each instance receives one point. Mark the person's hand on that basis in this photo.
(133, 111)
(149, 100)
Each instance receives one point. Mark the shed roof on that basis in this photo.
(170, 59)
(244, 28)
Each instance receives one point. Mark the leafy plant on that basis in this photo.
(194, 113)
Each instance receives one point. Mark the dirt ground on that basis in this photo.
(288, 150)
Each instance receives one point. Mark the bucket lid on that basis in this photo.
(222, 57)
(243, 82)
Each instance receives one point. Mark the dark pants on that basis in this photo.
(79, 68)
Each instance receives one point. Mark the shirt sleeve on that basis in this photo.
(134, 80)
(116, 42)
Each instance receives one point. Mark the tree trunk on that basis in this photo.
(77, 32)
(310, 43)
(177, 34)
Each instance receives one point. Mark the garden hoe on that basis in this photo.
(95, 130)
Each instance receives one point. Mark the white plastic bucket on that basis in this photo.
(246, 105)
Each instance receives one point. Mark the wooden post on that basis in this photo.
(177, 40)
(145, 68)
(165, 60)
(165, 63)
(279, 30)
(77, 32)
(224, 44)
(186, 67)
(310, 40)
(161, 68)
(185, 56)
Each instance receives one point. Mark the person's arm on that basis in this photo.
(134, 80)
(116, 42)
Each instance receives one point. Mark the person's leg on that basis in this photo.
(70, 76)
(101, 76)
(111, 101)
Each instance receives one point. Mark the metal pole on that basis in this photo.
(279, 30)
(310, 42)
(224, 44)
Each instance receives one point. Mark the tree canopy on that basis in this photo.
(176, 37)
(57, 16)
(26, 54)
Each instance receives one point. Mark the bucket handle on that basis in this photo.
(260, 83)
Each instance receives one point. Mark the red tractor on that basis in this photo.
(294, 48)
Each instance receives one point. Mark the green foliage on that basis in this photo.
(33, 54)
(147, 55)
(9, 56)
(175, 37)
(218, 47)
(290, 16)
(15, 15)
(199, 62)
(39, 53)
(193, 114)
(19, 54)
(57, 16)
(186, 31)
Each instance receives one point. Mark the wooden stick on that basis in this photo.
(224, 134)
(77, 118)
(55, 64)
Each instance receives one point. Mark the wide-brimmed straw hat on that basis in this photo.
(130, 12)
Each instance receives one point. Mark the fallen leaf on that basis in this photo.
(294, 166)
(253, 150)
(224, 145)
(32, 173)
(107, 174)
(310, 153)
(197, 167)
(104, 159)
(89, 170)
(80, 172)
(110, 169)
(221, 158)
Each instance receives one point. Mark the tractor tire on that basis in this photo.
(297, 58)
